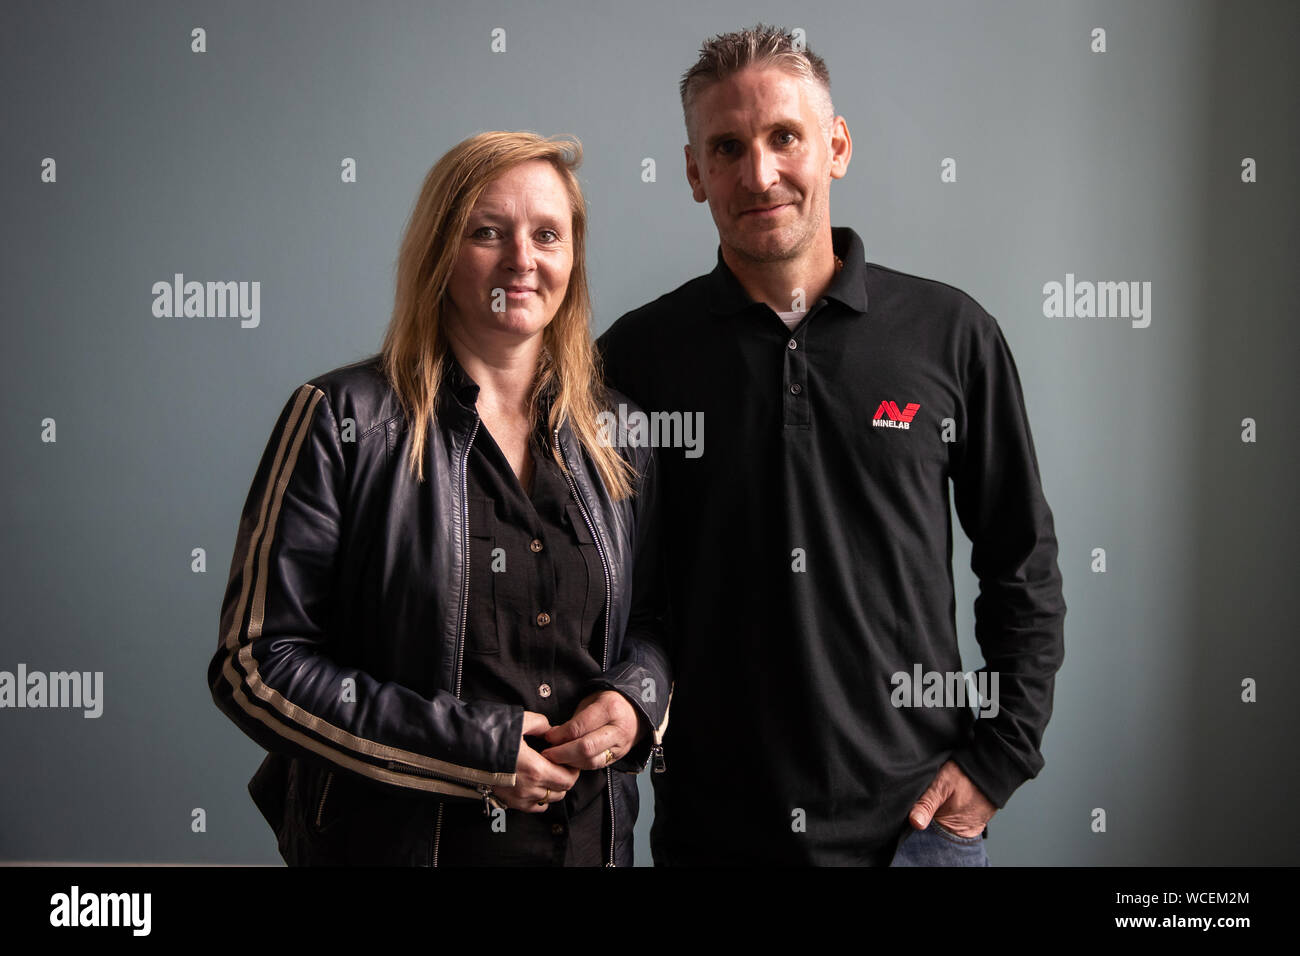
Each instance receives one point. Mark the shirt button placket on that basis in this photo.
(542, 654)
(795, 371)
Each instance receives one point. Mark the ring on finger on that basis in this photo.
(546, 799)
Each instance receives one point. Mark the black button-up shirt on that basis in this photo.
(536, 595)
(811, 559)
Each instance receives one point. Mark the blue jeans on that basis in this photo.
(935, 846)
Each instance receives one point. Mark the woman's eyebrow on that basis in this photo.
(554, 220)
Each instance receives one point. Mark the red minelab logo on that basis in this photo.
(888, 415)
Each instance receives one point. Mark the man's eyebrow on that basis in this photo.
(717, 138)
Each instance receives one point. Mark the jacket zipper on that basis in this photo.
(657, 757)
(604, 657)
(464, 605)
(464, 571)
(657, 751)
(484, 791)
(320, 810)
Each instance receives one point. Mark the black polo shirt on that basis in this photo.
(810, 554)
(536, 596)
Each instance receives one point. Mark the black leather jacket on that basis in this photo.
(343, 627)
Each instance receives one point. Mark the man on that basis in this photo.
(819, 714)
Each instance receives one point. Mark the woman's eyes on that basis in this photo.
(491, 232)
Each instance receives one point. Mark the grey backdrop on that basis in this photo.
(225, 165)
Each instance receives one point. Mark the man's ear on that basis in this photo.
(841, 148)
(693, 176)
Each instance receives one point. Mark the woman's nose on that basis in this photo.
(519, 254)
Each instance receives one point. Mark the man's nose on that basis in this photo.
(759, 170)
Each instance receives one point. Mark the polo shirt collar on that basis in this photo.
(727, 296)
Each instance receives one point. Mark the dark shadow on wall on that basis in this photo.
(1242, 786)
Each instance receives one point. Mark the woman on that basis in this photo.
(444, 611)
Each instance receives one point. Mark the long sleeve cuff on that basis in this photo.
(991, 766)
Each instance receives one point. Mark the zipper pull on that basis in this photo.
(657, 757)
(489, 799)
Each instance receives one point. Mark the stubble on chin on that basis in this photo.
(770, 248)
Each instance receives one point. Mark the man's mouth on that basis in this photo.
(765, 210)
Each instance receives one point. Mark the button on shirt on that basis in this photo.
(812, 568)
(536, 598)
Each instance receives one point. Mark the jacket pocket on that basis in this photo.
(322, 821)
(299, 843)
(482, 634)
(326, 802)
(350, 821)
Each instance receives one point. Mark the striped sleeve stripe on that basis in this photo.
(238, 644)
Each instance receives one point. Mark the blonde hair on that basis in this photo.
(415, 344)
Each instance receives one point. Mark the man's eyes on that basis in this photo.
(784, 138)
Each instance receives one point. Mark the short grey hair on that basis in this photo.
(729, 53)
